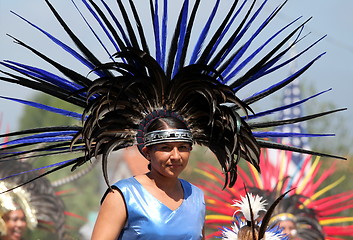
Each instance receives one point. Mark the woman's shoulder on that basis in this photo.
(125, 182)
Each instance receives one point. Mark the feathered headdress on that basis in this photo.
(316, 217)
(42, 207)
(158, 66)
(250, 228)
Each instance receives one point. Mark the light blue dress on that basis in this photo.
(149, 219)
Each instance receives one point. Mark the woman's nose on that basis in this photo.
(21, 223)
(175, 153)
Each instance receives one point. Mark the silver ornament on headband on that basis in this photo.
(168, 135)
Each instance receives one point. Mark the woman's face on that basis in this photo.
(288, 228)
(16, 225)
(168, 159)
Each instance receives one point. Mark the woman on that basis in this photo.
(15, 224)
(288, 223)
(156, 205)
(17, 212)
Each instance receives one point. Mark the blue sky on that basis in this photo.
(333, 18)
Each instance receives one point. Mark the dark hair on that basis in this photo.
(166, 122)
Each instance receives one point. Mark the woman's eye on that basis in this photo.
(165, 149)
(184, 148)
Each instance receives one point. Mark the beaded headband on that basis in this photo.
(168, 135)
(159, 136)
(283, 217)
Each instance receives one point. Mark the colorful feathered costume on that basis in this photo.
(42, 207)
(316, 216)
(249, 227)
(154, 64)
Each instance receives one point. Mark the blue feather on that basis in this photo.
(50, 134)
(289, 134)
(282, 108)
(44, 75)
(47, 108)
(292, 58)
(288, 79)
(50, 151)
(37, 169)
(38, 140)
(63, 149)
(219, 40)
(258, 50)
(116, 21)
(243, 49)
(183, 26)
(68, 49)
(164, 33)
(102, 26)
(203, 35)
(155, 20)
(266, 67)
(237, 39)
(263, 72)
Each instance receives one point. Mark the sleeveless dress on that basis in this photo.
(149, 219)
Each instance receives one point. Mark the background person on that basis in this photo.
(13, 222)
(32, 206)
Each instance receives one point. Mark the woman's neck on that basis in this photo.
(168, 191)
(162, 182)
